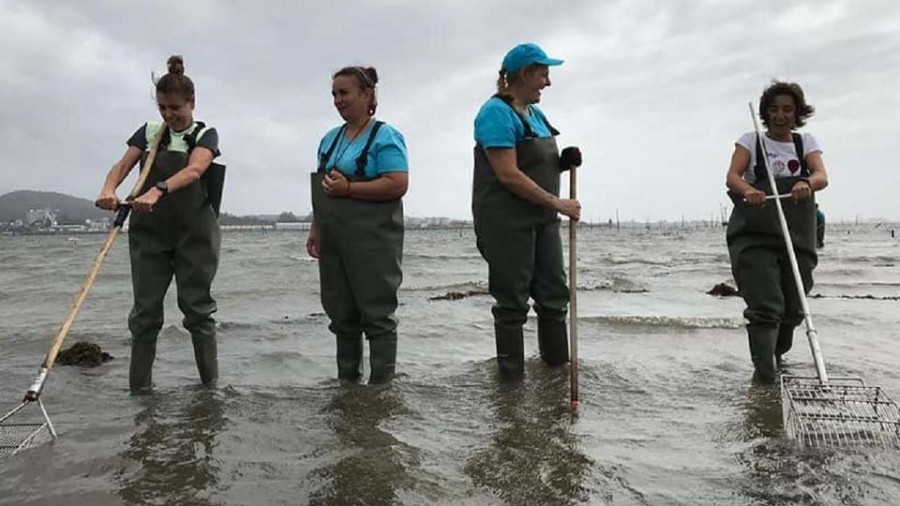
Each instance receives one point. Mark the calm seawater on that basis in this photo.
(668, 412)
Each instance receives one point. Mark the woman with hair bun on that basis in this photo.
(357, 229)
(174, 230)
(756, 246)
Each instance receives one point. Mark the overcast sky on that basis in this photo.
(655, 92)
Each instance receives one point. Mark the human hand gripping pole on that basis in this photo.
(34, 392)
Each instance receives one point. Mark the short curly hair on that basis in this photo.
(793, 90)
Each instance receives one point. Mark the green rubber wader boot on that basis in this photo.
(382, 358)
(140, 368)
(510, 351)
(785, 342)
(349, 357)
(762, 350)
(553, 342)
(205, 354)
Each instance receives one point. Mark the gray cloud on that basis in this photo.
(654, 92)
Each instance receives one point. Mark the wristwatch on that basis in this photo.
(162, 187)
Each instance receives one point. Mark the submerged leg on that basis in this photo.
(763, 340)
(510, 350)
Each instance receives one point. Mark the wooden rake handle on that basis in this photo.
(35, 391)
(573, 294)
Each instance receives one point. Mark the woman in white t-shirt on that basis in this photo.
(759, 260)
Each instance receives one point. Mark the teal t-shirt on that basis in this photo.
(498, 126)
(386, 154)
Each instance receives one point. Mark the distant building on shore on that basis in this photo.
(42, 218)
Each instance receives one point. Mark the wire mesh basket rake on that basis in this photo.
(843, 412)
(21, 435)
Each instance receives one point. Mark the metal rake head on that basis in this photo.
(15, 437)
(844, 412)
(17, 434)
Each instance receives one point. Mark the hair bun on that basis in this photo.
(372, 74)
(176, 64)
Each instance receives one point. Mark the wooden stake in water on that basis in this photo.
(573, 293)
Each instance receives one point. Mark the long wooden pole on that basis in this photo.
(573, 294)
(35, 391)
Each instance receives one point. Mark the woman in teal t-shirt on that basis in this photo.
(515, 204)
(357, 229)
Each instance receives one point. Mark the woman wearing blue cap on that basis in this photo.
(515, 202)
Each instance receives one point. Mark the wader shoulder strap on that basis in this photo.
(363, 157)
(191, 138)
(323, 160)
(529, 132)
(760, 168)
(554, 132)
(798, 146)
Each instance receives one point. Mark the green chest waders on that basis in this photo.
(762, 271)
(179, 237)
(520, 242)
(360, 253)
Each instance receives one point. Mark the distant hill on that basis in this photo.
(15, 205)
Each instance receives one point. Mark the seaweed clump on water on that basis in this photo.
(458, 295)
(724, 290)
(83, 354)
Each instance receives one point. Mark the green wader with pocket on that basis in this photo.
(521, 243)
(360, 254)
(180, 238)
(762, 269)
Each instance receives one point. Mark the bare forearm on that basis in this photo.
(818, 181)
(737, 185)
(116, 175)
(184, 177)
(377, 190)
(523, 186)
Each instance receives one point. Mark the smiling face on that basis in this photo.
(176, 111)
(350, 99)
(781, 115)
(528, 84)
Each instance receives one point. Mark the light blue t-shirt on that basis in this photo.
(386, 154)
(498, 126)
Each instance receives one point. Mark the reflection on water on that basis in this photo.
(375, 465)
(172, 447)
(534, 456)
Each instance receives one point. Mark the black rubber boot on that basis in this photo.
(140, 369)
(553, 342)
(382, 358)
(762, 350)
(785, 342)
(349, 357)
(206, 356)
(510, 351)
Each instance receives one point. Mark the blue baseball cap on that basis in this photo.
(527, 54)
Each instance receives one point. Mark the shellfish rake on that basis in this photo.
(17, 435)
(819, 411)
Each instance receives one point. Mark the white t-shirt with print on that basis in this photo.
(782, 159)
